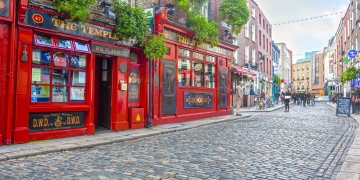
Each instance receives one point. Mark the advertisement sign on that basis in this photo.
(55, 121)
(222, 102)
(197, 100)
(134, 85)
(168, 87)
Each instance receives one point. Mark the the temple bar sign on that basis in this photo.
(109, 50)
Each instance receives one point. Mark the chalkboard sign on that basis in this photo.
(343, 106)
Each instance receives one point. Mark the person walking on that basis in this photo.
(239, 98)
(287, 98)
(277, 95)
(352, 94)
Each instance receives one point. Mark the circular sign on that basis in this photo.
(2, 5)
(352, 53)
(37, 18)
(357, 57)
(133, 57)
(122, 67)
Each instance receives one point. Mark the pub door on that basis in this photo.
(104, 117)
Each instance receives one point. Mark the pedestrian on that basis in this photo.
(287, 98)
(304, 97)
(352, 94)
(239, 98)
(277, 95)
(282, 97)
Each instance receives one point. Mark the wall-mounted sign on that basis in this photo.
(134, 85)
(197, 100)
(55, 121)
(222, 98)
(168, 87)
(51, 22)
(352, 53)
(110, 50)
(4, 8)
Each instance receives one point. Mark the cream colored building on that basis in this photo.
(301, 75)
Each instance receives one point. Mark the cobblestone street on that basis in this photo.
(305, 143)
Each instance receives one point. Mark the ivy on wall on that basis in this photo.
(235, 13)
(77, 9)
(349, 74)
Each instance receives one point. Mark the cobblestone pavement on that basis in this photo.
(305, 143)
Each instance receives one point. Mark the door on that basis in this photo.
(105, 92)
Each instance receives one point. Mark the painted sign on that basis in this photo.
(168, 87)
(343, 106)
(222, 101)
(134, 85)
(55, 121)
(51, 22)
(197, 100)
(110, 50)
(4, 8)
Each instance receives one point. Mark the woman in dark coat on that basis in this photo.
(287, 101)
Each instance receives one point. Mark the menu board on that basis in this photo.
(343, 106)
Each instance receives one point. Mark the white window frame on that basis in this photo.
(247, 30)
(205, 10)
(253, 11)
(348, 28)
(352, 21)
(246, 54)
(253, 37)
(253, 59)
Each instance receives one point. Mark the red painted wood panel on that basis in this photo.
(4, 57)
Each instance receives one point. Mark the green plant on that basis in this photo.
(206, 32)
(245, 78)
(307, 78)
(235, 13)
(191, 5)
(349, 74)
(302, 78)
(77, 9)
(235, 76)
(155, 47)
(294, 79)
(131, 22)
(302, 68)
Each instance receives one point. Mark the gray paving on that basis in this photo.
(305, 143)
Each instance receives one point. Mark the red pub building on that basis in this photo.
(72, 77)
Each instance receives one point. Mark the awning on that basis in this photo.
(241, 70)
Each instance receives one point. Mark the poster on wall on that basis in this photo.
(222, 98)
(4, 8)
(55, 121)
(197, 100)
(134, 84)
(168, 87)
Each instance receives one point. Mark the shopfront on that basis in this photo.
(73, 78)
(194, 81)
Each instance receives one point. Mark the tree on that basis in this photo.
(235, 13)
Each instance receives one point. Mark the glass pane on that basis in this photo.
(77, 94)
(209, 76)
(40, 93)
(183, 72)
(198, 56)
(44, 40)
(78, 78)
(81, 46)
(184, 52)
(41, 57)
(60, 59)
(78, 61)
(64, 43)
(40, 75)
(59, 94)
(60, 77)
(198, 74)
(210, 59)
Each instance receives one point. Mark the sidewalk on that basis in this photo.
(350, 170)
(254, 108)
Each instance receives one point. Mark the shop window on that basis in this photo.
(63, 43)
(184, 72)
(53, 79)
(44, 40)
(183, 52)
(209, 76)
(198, 56)
(81, 46)
(198, 74)
(210, 58)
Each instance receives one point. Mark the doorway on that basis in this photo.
(104, 69)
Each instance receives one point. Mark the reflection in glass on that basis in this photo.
(183, 72)
(78, 78)
(59, 94)
(77, 94)
(81, 46)
(40, 75)
(198, 74)
(209, 76)
(60, 77)
(78, 61)
(64, 43)
(41, 57)
(60, 59)
(40, 93)
(44, 40)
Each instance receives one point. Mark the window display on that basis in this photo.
(198, 74)
(183, 72)
(209, 76)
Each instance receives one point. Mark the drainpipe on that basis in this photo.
(11, 77)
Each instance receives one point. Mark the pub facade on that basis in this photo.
(72, 78)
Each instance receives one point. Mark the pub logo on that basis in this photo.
(197, 100)
(37, 18)
(2, 4)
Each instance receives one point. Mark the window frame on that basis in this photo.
(69, 68)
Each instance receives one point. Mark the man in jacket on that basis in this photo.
(239, 98)
(287, 101)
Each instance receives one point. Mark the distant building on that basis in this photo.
(285, 62)
(301, 76)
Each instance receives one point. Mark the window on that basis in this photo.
(198, 74)
(316, 60)
(253, 56)
(259, 18)
(253, 12)
(184, 72)
(210, 58)
(270, 32)
(183, 52)
(316, 69)
(259, 37)
(246, 54)
(210, 76)
(247, 30)
(316, 80)
(253, 32)
(205, 10)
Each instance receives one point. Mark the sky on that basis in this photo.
(303, 36)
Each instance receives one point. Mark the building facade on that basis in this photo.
(301, 76)
(318, 74)
(276, 69)
(285, 64)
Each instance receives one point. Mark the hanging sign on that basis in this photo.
(110, 50)
(346, 60)
(352, 53)
(4, 8)
(55, 121)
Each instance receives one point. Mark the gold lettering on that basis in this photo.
(83, 28)
(105, 33)
(46, 122)
(35, 123)
(77, 120)
(91, 30)
(56, 21)
(99, 32)
(73, 27)
(68, 120)
(99, 48)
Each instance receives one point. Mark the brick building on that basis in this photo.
(317, 64)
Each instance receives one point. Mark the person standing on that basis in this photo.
(287, 101)
(277, 95)
(239, 98)
(352, 94)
